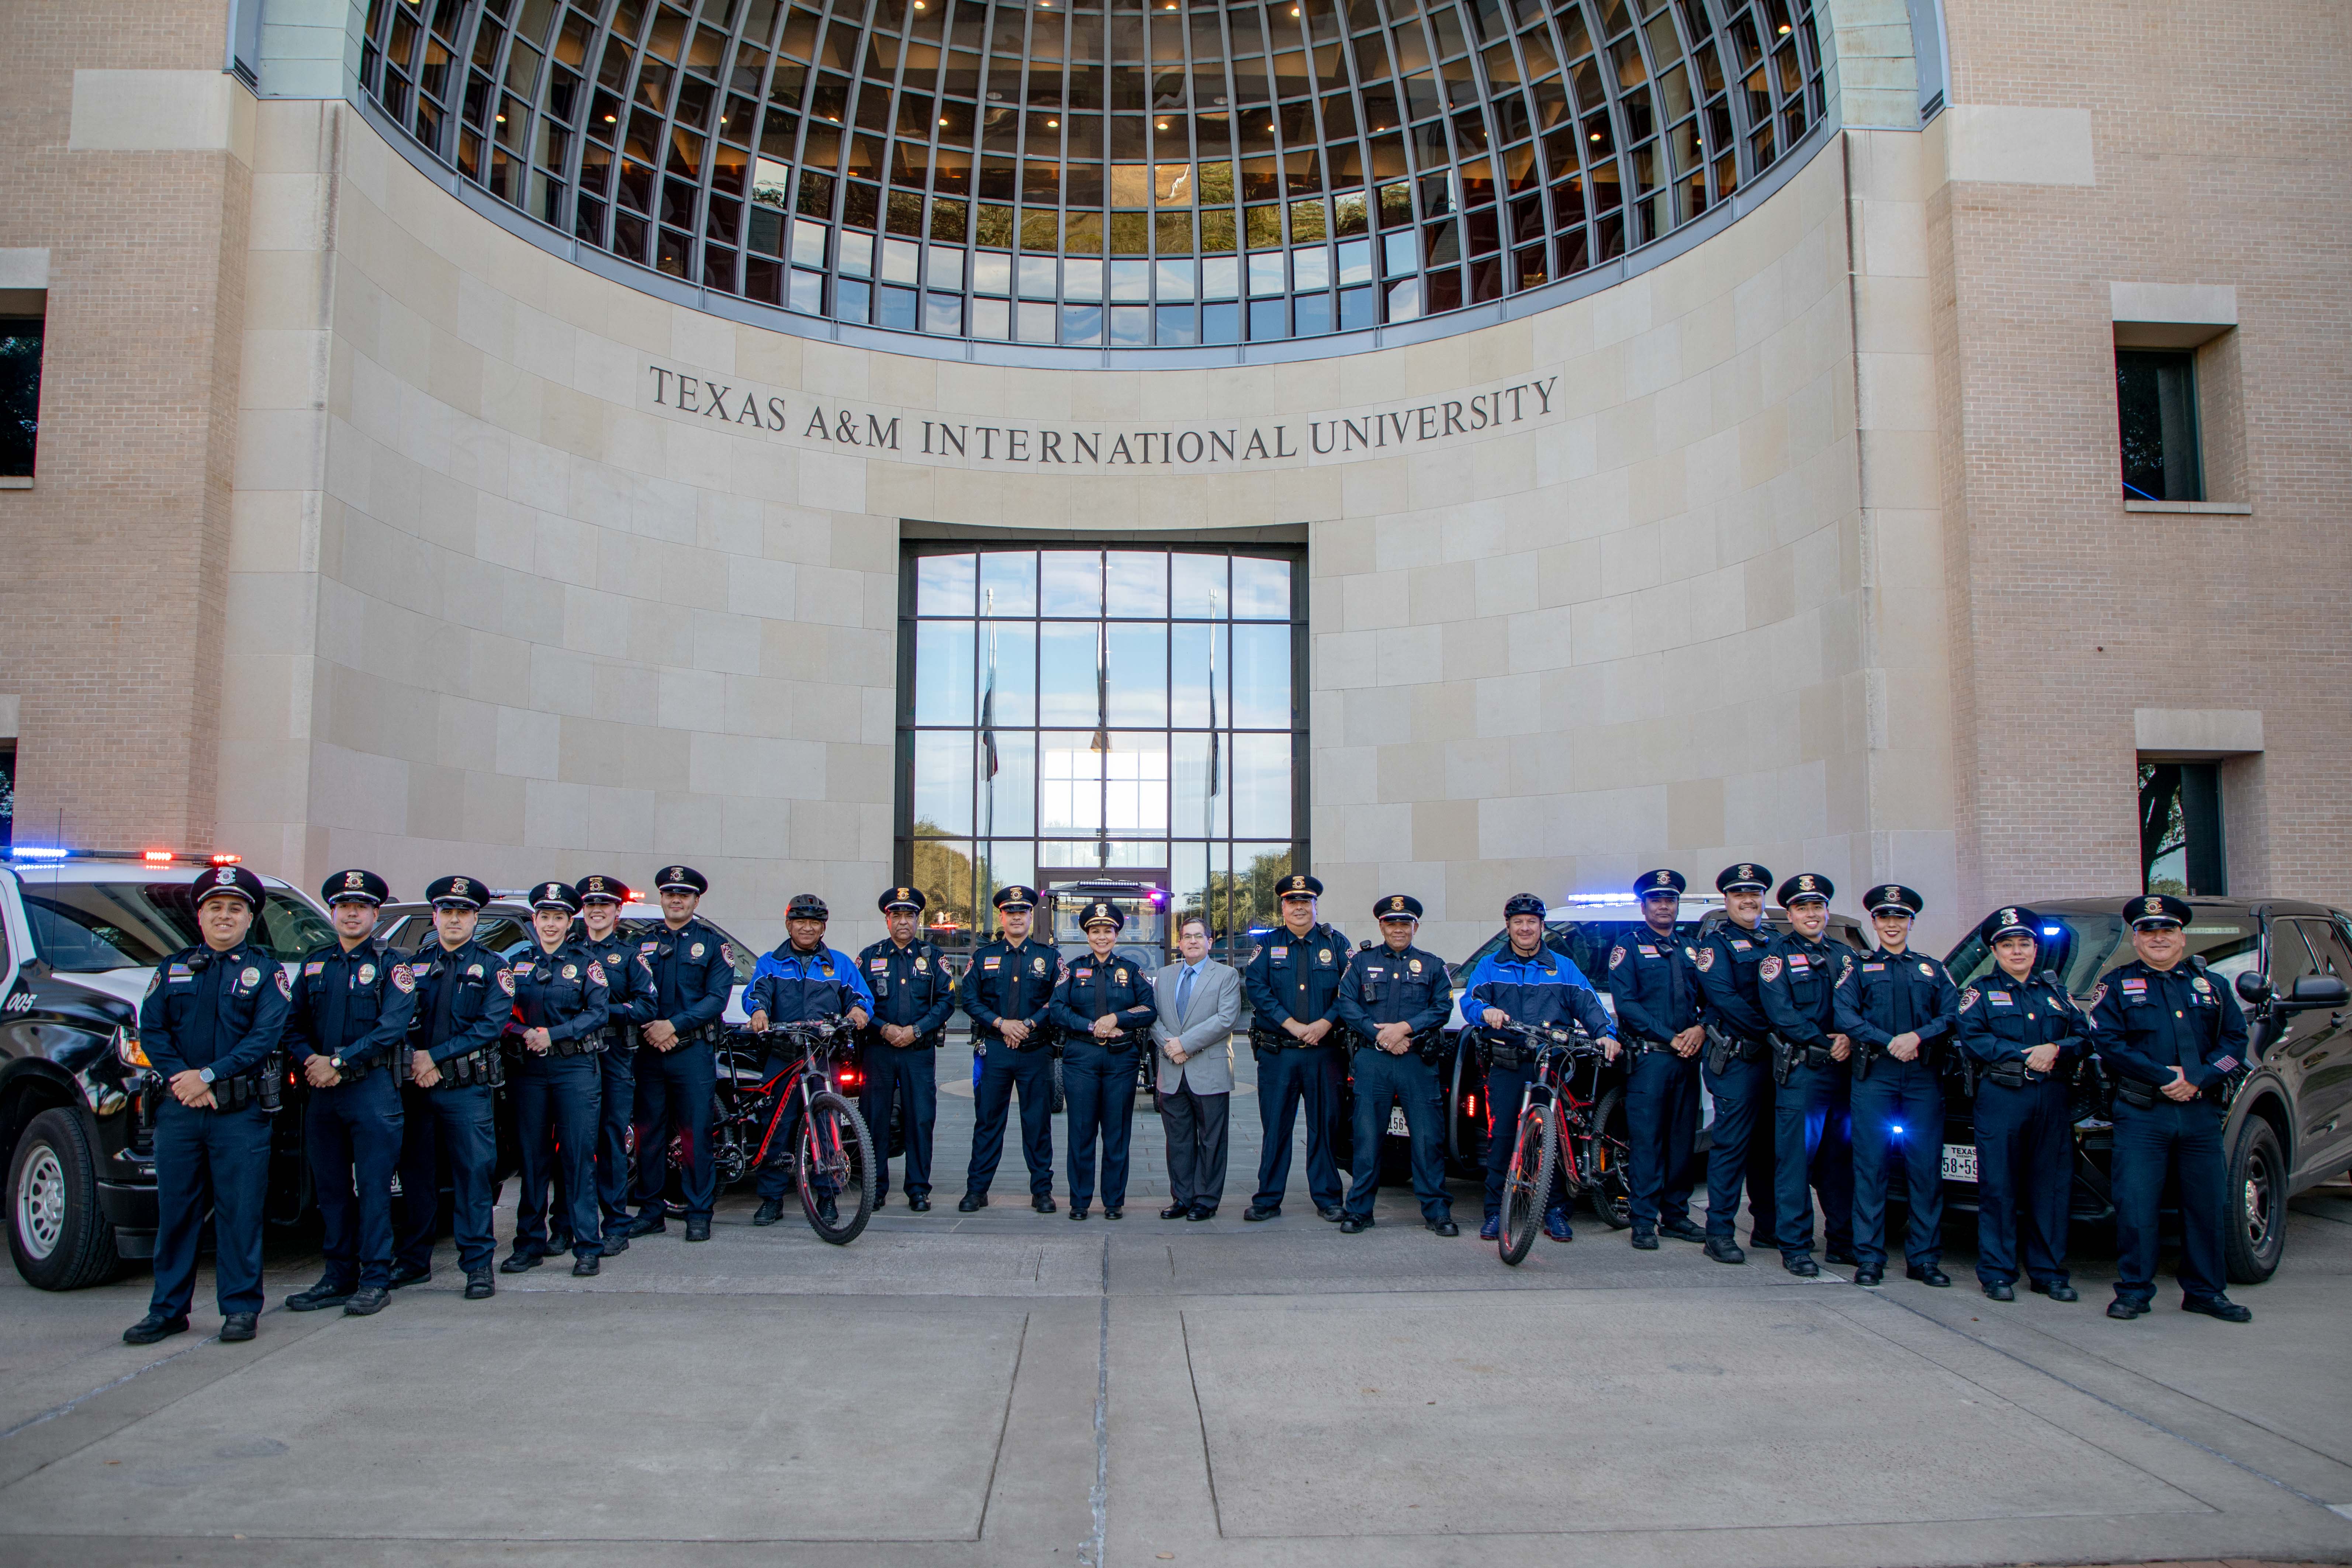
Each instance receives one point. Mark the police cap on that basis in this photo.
(807, 907)
(603, 889)
(556, 896)
(1523, 904)
(1014, 896)
(1397, 907)
(903, 899)
(2011, 919)
(2157, 909)
(682, 880)
(1102, 912)
(1650, 882)
(1892, 899)
(1806, 884)
(1745, 878)
(231, 881)
(456, 893)
(1299, 885)
(355, 888)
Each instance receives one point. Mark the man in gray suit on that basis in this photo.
(1200, 1002)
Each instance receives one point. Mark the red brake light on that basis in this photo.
(158, 856)
(226, 859)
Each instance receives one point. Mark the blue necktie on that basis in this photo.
(1183, 992)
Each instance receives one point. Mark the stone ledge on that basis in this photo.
(2199, 507)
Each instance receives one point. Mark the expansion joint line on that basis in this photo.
(1091, 1554)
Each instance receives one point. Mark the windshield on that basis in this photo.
(2083, 947)
(83, 928)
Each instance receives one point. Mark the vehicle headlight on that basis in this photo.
(128, 1050)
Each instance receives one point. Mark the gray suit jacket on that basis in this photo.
(1205, 1032)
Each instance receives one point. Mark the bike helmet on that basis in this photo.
(1523, 904)
(806, 907)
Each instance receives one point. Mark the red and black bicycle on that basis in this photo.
(832, 1153)
(1566, 1123)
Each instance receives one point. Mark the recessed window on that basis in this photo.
(2180, 849)
(2155, 403)
(20, 394)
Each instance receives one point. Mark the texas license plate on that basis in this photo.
(1397, 1128)
(1959, 1162)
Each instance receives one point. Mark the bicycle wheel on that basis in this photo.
(1605, 1155)
(837, 1152)
(1532, 1159)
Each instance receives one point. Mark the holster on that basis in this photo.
(483, 1068)
(1784, 1060)
(1863, 1056)
(1266, 1042)
(578, 1046)
(2137, 1095)
(263, 1086)
(1507, 1053)
(2014, 1074)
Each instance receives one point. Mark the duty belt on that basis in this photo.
(1429, 1045)
(1264, 1040)
(261, 1086)
(2013, 1073)
(482, 1069)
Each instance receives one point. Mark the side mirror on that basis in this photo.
(2317, 991)
(2253, 988)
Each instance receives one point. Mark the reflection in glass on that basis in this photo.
(1138, 582)
(1261, 589)
(1200, 586)
(1008, 797)
(943, 782)
(1008, 583)
(1069, 783)
(1068, 682)
(1200, 784)
(1195, 653)
(1008, 674)
(1261, 677)
(943, 585)
(1071, 583)
(943, 655)
(1139, 674)
(1257, 868)
(1261, 785)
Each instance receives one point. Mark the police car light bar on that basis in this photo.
(146, 857)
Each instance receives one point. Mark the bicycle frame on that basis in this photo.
(800, 1080)
(1553, 1084)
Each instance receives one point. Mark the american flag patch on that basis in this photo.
(2135, 987)
(2227, 1064)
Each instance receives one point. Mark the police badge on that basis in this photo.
(249, 978)
(367, 974)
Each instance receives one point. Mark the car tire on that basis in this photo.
(2254, 1220)
(58, 1235)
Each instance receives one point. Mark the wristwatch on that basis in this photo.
(204, 1075)
(336, 1063)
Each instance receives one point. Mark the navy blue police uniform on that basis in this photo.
(2025, 1119)
(797, 985)
(629, 995)
(1545, 991)
(559, 1092)
(465, 999)
(1737, 1067)
(694, 974)
(1653, 980)
(1405, 985)
(1898, 1105)
(913, 989)
(1012, 982)
(219, 1014)
(352, 1007)
(1813, 1113)
(1099, 1074)
(1296, 978)
(2153, 1026)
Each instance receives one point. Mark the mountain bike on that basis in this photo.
(832, 1151)
(1565, 1122)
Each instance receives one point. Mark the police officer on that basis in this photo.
(1738, 1065)
(560, 1003)
(628, 1007)
(1105, 1008)
(2170, 1034)
(801, 981)
(1654, 979)
(1394, 999)
(1008, 993)
(352, 1007)
(914, 996)
(2024, 1035)
(1813, 1113)
(211, 1025)
(694, 973)
(1293, 981)
(1897, 1007)
(1525, 981)
(464, 998)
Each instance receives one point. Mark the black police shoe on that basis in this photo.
(557, 1243)
(1869, 1274)
(1259, 1211)
(1111, 1213)
(919, 1202)
(2124, 1311)
(480, 1285)
(1723, 1250)
(972, 1202)
(1176, 1211)
(652, 1223)
(1202, 1210)
(1999, 1291)
(366, 1302)
(1802, 1265)
(2220, 1307)
(1442, 1226)
(614, 1244)
(1683, 1230)
(1044, 1206)
(518, 1261)
(698, 1228)
(1844, 1255)
(584, 1266)
(1644, 1240)
(154, 1326)
(2058, 1291)
(317, 1298)
(409, 1274)
(1077, 1211)
(1331, 1215)
(237, 1328)
(770, 1211)
(1350, 1226)
(1928, 1274)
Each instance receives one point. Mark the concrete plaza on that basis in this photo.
(1012, 1388)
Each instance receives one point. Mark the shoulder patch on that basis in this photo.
(285, 986)
(596, 971)
(403, 978)
(505, 981)
(1617, 955)
(1707, 958)
(727, 954)
(1770, 969)
(1969, 998)
(2098, 993)
(155, 983)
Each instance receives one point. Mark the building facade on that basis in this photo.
(1464, 447)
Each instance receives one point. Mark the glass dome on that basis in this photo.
(1105, 172)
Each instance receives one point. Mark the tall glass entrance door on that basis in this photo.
(1118, 717)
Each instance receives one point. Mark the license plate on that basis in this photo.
(1397, 1128)
(1959, 1162)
